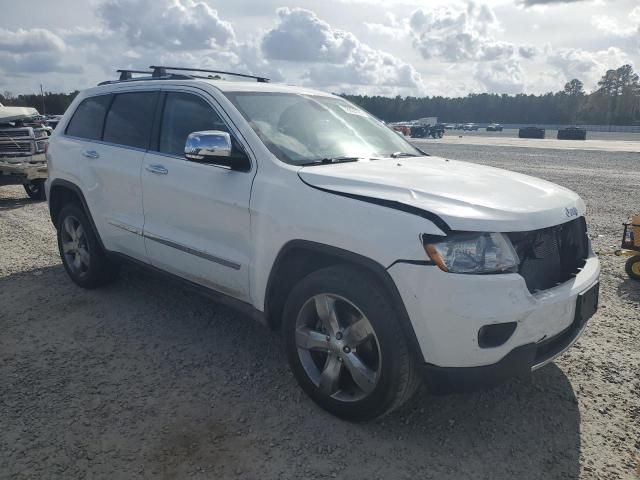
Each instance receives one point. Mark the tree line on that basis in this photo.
(54, 103)
(615, 101)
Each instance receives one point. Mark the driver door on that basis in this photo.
(197, 222)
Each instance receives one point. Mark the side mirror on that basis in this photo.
(208, 146)
(216, 148)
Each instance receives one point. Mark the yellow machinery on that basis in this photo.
(631, 247)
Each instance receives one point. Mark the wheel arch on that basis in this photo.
(298, 258)
(63, 192)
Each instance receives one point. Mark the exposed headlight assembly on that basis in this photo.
(472, 253)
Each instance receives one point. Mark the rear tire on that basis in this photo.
(82, 256)
(35, 190)
(345, 345)
(632, 267)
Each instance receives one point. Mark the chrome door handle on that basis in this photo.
(157, 169)
(91, 154)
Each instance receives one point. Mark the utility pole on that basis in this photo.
(44, 111)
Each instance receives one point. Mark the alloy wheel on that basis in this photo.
(338, 348)
(74, 245)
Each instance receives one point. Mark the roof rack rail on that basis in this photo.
(127, 74)
(161, 71)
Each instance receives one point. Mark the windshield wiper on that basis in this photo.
(326, 161)
(402, 154)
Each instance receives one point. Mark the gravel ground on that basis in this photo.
(144, 379)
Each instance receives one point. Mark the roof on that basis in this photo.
(230, 86)
(222, 85)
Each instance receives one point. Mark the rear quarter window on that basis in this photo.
(130, 119)
(88, 119)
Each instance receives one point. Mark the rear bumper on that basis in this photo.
(519, 362)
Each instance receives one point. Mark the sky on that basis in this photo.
(374, 47)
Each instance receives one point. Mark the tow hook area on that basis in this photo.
(21, 173)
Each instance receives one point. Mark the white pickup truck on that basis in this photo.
(22, 150)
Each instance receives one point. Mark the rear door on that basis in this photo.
(112, 133)
(197, 222)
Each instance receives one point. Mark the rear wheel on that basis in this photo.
(633, 267)
(82, 256)
(35, 190)
(345, 346)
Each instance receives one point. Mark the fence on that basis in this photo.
(588, 128)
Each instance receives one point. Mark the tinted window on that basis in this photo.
(184, 114)
(130, 118)
(88, 119)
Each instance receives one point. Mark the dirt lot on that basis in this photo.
(145, 379)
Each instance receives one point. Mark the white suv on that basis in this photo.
(380, 264)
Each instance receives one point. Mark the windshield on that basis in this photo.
(304, 129)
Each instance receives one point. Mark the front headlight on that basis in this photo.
(473, 253)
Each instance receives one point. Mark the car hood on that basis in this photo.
(466, 196)
(11, 114)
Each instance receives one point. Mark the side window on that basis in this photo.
(88, 119)
(183, 114)
(130, 119)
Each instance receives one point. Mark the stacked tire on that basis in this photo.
(572, 133)
(531, 132)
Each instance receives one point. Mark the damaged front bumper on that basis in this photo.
(23, 170)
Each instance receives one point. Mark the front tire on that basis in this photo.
(82, 256)
(345, 345)
(35, 190)
(633, 267)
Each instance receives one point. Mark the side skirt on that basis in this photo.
(218, 297)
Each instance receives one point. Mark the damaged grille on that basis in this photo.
(15, 132)
(553, 255)
(15, 148)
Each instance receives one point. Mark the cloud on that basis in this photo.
(301, 36)
(457, 33)
(501, 77)
(527, 51)
(171, 24)
(34, 50)
(613, 27)
(531, 3)
(338, 57)
(366, 67)
(33, 40)
(187, 33)
(586, 65)
(35, 62)
(392, 28)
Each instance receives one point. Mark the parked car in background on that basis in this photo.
(53, 121)
(449, 126)
(470, 127)
(378, 263)
(494, 127)
(401, 128)
(531, 132)
(424, 131)
(23, 144)
(572, 133)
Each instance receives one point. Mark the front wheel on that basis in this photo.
(633, 267)
(345, 346)
(35, 190)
